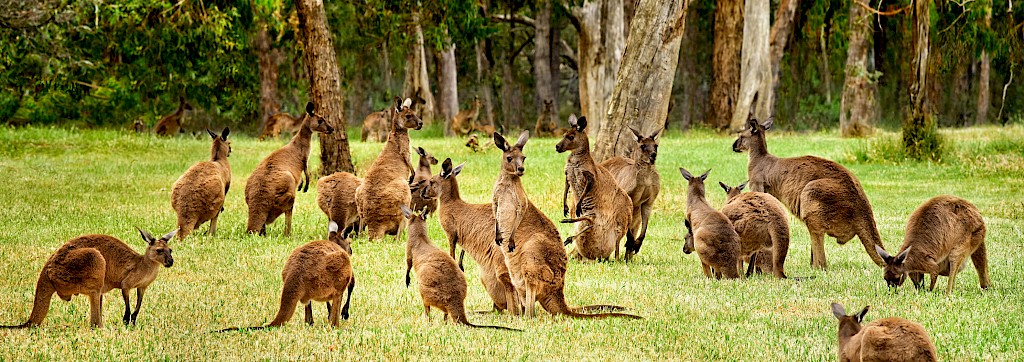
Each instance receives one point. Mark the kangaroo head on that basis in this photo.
(575, 137)
(696, 182)
(315, 121)
(221, 145)
(895, 272)
(688, 245)
(849, 325)
(731, 192)
(476, 102)
(184, 105)
(414, 217)
(513, 161)
(426, 159)
(157, 250)
(549, 106)
(427, 189)
(404, 116)
(647, 147)
(338, 237)
(753, 135)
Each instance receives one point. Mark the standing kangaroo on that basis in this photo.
(713, 237)
(638, 176)
(465, 121)
(93, 265)
(170, 124)
(198, 195)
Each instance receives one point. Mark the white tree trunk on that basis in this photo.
(643, 86)
(447, 86)
(984, 94)
(417, 80)
(601, 42)
(755, 64)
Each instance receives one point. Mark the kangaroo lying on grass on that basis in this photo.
(93, 265)
(888, 339)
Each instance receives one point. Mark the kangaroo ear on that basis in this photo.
(169, 235)
(752, 125)
(146, 236)
(332, 228)
(523, 137)
(572, 120)
(458, 169)
(838, 310)
(499, 142)
(406, 212)
(446, 167)
(901, 257)
(767, 124)
(686, 174)
(309, 108)
(860, 315)
(224, 134)
(212, 135)
(636, 134)
(655, 135)
(421, 152)
(885, 255)
(704, 176)
(724, 186)
(581, 124)
(398, 104)
(407, 103)
(742, 185)
(686, 222)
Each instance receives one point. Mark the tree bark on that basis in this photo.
(858, 105)
(386, 71)
(484, 84)
(984, 94)
(417, 80)
(643, 87)
(919, 138)
(542, 55)
(601, 42)
(725, 81)
(447, 85)
(781, 31)
(268, 60)
(324, 84)
(756, 68)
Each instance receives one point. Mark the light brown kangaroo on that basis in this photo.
(638, 176)
(465, 121)
(762, 225)
(421, 197)
(940, 235)
(537, 262)
(714, 239)
(170, 124)
(442, 284)
(376, 126)
(821, 193)
(279, 122)
(887, 339)
(93, 265)
(546, 126)
(198, 195)
(320, 270)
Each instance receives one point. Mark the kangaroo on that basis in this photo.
(170, 124)
(940, 235)
(821, 193)
(638, 176)
(278, 122)
(376, 126)
(714, 239)
(465, 121)
(761, 223)
(888, 339)
(320, 270)
(198, 195)
(93, 265)
(421, 196)
(546, 126)
(442, 284)
(537, 263)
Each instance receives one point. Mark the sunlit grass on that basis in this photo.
(58, 183)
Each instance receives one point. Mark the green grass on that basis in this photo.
(58, 183)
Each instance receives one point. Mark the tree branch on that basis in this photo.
(568, 54)
(881, 13)
(516, 19)
(1000, 116)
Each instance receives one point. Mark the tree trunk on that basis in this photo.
(386, 71)
(756, 67)
(542, 55)
(643, 87)
(417, 80)
(858, 106)
(324, 84)
(781, 30)
(484, 84)
(984, 94)
(268, 59)
(919, 136)
(601, 41)
(826, 73)
(725, 81)
(447, 85)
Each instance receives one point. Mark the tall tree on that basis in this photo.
(542, 55)
(417, 80)
(601, 42)
(755, 65)
(920, 139)
(268, 58)
(325, 84)
(447, 83)
(984, 66)
(857, 106)
(725, 81)
(781, 31)
(643, 86)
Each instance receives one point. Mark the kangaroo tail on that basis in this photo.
(234, 329)
(20, 326)
(555, 304)
(462, 320)
(597, 308)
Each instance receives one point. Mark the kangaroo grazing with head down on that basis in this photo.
(442, 285)
(198, 195)
(336, 196)
(821, 193)
(320, 270)
(170, 124)
(713, 237)
(279, 122)
(761, 223)
(537, 262)
(638, 176)
(940, 235)
(386, 185)
(887, 339)
(93, 265)
(270, 190)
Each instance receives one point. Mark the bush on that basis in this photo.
(921, 139)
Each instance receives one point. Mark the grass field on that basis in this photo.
(59, 183)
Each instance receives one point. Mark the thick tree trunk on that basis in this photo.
(643, 87)
(984, 94)
(386, 70)
(919, 138)
(268, 59)
(601, 42)
(756, 67)
(324, 84)
(417, 80)
(485, 87)
(858, 105)
(781, 31)
(542, 55)
(511, 97)
(725, 81)
(447, 86)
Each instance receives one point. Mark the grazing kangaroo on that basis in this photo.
(170, 124)
(603, 210)
(336, 196)
(465, 121)
(442, 284)
(537, 263)
(320, 270)
(761, 223)
(376, 126)
(386, 185)
(270, 190)
(714, 239)
(821, 193)
(93, 265)
(546, 126)
(638, 176)
(940, 235)
(278, 122)
(198, 195)
(887, 339)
